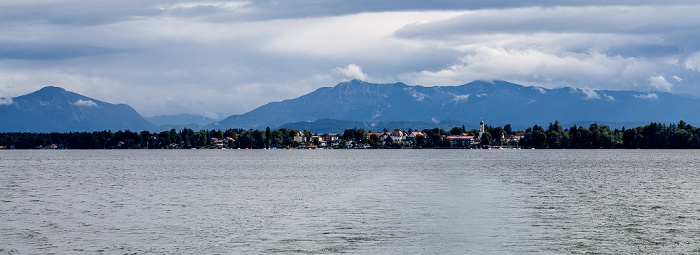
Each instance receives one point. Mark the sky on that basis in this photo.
(218, 58)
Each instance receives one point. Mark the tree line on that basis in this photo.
(651, 136)
(172, 139)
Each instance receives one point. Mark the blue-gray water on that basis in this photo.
(350, 201)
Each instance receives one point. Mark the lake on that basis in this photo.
(349, 201)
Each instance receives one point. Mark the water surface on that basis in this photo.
(350, 201)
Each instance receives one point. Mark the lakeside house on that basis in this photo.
(461, 141)
(398, 136)
(362, 146)
(382, 136)
(220, 143)
(514, 138)
(415, 134)
(332, 140)
(299, 137)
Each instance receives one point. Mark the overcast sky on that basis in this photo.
(218, 58)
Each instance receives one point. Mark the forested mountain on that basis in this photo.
(497, 102)
(53, 109)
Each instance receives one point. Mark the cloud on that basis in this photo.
(590, 94)
(460, 98)
(229, 57)
(571, 20)
(649, 96)
(660, 83)
(366, 36)
(415, 94)
(593, 94)
(597, 47)
(87, 103)
(6, 101)
(352, 71)
(540, 67)
(217, 4)
(692, 62)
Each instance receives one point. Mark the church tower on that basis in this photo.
(481, 129)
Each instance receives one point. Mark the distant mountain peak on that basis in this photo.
(351, 83)
(54, 109)
(51, 89)
(356, 82)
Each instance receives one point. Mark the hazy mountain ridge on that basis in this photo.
(338, 126)
(180, 119)
(498, 102)
(53, 109)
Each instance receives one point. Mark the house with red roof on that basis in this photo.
(382, 136)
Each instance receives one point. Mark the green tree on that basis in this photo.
(360, 135)
(497, 133)
(581, 138)
(349, 134)
(456, 131)
(680, 138)
(539, 139)
(508, 129)
(554, 139)
(276, 138)
(420, 140)
(268, 137)
(259, 138)
(247, 140)
(308, 135)
(374, 141)
(486, 138)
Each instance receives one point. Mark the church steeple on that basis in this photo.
(481, 128)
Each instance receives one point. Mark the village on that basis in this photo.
(458, 138)
(401, 139)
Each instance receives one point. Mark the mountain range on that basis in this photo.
(496, 102)
(362, 104)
